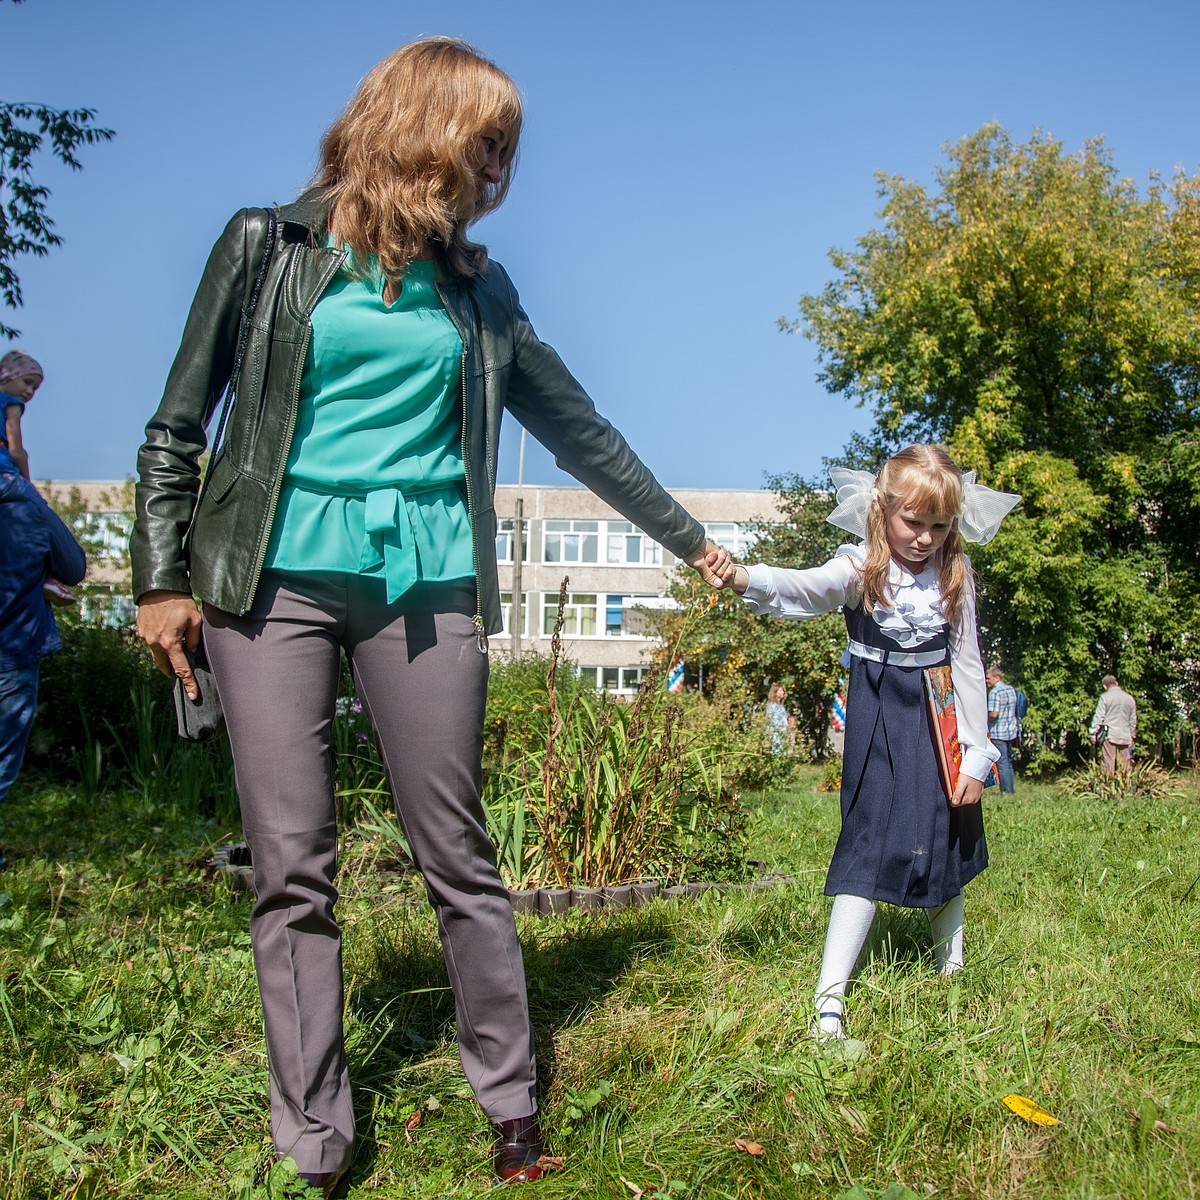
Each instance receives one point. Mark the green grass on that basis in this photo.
(131, 1059)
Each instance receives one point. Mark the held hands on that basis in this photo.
(717, 568)
(713, 562)
(968, 791)
(168, 622)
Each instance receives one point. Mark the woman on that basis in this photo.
(351, 507)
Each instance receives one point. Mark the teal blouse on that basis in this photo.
(374, 482)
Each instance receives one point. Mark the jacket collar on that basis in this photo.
(309, 210)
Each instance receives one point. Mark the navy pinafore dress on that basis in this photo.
(901, 842)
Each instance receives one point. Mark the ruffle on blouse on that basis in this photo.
(915, 614)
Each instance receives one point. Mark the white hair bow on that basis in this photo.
(982, 511)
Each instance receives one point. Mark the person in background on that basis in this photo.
(20, 377)
(1003, 725)
(34, 543)
(1114, 725)
(350, 509)
(777, 719)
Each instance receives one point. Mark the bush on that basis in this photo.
(731, 729)
(831, 774)
(1143, 780)
(518, 705)
(85, 697)
(587, 791)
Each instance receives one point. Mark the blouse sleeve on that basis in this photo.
(970, 688)
(800, 595)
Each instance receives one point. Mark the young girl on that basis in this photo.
(909, 602)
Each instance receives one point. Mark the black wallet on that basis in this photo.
(199, 720)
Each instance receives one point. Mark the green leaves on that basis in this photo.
(25, 226)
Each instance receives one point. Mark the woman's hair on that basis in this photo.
(401, 163)
(775, 693)
(925, 479)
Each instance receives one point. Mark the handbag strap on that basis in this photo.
(247, 319)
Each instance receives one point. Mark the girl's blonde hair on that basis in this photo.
(925, 479)
(401, 163)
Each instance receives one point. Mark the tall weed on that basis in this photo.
(598, 792)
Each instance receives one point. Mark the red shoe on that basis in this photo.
(517, 1150)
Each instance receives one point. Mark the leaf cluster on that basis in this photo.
(25, 226)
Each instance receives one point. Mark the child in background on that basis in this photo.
(21, 376)
(908, 597)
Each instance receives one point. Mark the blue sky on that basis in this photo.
(685, 169)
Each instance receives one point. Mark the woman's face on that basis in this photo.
(915, 536)
(489, 148)
(22, 387)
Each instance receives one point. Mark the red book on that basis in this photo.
(939, 689)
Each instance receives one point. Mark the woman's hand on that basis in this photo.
(714, 563)
(168, 622)
(968, 791)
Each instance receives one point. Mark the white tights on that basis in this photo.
(849, 925)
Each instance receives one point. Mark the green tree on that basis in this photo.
(1037, 315)
(26, 128)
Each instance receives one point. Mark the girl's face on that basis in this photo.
(915, 536)
(22, 387)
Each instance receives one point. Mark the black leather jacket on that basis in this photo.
(217, 552)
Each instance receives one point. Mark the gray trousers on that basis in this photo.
(423, 681)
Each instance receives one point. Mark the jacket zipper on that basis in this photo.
(278, 484)
(477, 619)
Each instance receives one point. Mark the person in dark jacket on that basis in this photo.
(350, 508)
(34, 545)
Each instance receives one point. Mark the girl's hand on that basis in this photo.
(968, 791)
(168, 622)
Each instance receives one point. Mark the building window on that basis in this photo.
(734, 537)
(621, 681)
(104, 604)
(579, 615)
(621, 618)
(506, 613)
(627, 545)
(106, 533)
(570, 541)
(614, 543)
(506, 536)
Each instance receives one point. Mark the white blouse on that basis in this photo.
(914, 616)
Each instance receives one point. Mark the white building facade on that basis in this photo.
(614, 569)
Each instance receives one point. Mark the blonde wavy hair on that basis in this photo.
(401, 163)
(925, 479)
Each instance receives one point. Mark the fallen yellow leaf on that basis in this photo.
(1026, 1108)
